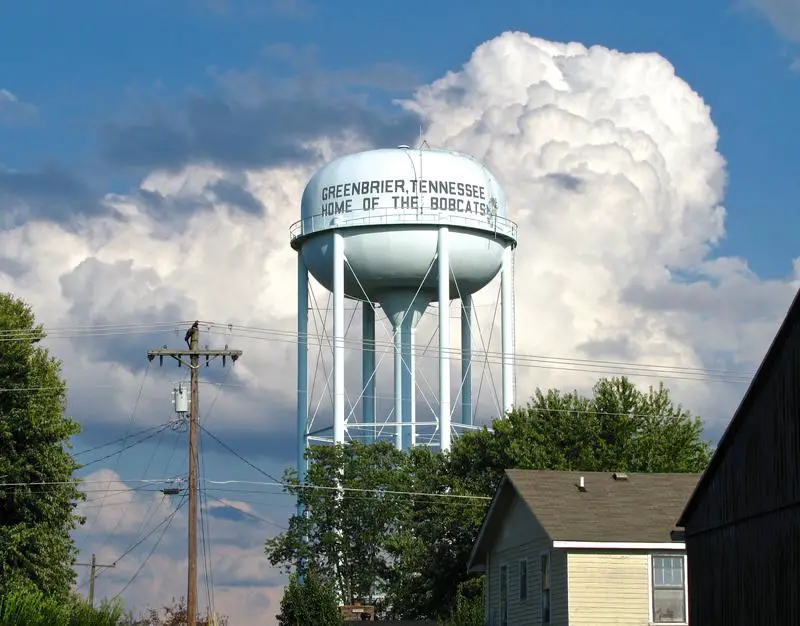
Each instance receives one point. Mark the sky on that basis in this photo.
(152, 159)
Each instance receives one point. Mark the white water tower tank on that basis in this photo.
(399, 229)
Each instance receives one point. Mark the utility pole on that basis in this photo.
(192, 339)
(93, 565)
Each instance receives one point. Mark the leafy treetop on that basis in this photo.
(409, 553)
(36, 549)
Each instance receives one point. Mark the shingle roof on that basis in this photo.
(642, 509)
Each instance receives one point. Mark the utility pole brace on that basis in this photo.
(194, 355)
(94, 565)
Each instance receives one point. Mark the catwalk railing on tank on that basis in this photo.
(495, 224)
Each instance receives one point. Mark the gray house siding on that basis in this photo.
(522, 538)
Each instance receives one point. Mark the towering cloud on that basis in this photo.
(611, 167)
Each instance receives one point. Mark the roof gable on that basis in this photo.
(504, 497)
(760, 379)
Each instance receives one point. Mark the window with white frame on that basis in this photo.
(503, 595)
(523, 580)
(669, 588)
(545, 578)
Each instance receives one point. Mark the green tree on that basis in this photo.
(619, 428)
(343, 532)
(36, 549)
(411, 537)
(468, 611)
(433, 538)
(30, 607)
(310, 601)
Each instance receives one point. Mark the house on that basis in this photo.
(742, 523)
(584, 549)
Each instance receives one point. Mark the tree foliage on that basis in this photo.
(619, 428)
(30, 607)
(468, 611)
(173, 615)
(311, 600)
(343, 536)
(399, 535)
(35, 522)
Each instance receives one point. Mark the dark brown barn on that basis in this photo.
(742, 523)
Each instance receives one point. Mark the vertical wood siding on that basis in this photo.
(747, 574)
(743, 537)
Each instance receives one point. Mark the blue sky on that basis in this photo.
(107, 60)
(97, 96)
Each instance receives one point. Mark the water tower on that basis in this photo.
(399, 230)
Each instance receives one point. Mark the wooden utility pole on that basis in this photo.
(93, 565)
(194, 354)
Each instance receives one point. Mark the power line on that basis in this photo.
(237, 455)
(194, 355)
(388, 344)
(95, 330)
(272, 483)
(525, 360)
(166, 523)
(131, 418)
(81, 481)
(116, 441)
(248, 513)
(277, 483)
(140, 541)
(427, 498)
(160, 430)
(596, 366)
(151, 509)
(455, 496)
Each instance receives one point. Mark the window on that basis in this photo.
(669, 589)
(503, 595)
(523, 580)
(546, 588)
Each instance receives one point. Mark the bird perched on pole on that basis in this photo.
(190, 333)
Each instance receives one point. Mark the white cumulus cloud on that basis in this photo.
(612, 170)
(135, 528)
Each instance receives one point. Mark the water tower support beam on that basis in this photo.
(443, 257)
(507, 329)
(338, 337)
(398, 386)
(408, 381)
(302, 370)
(368, 368)
(466, 359)
(412, 366)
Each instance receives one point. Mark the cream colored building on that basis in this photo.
(584, 549)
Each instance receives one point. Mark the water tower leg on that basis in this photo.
(368, 368)
(444, 338)
(408, 380)
(398, 386)
(466, 359)
(302, 371)
(412, 383)
(507, 329)
(338, 337)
